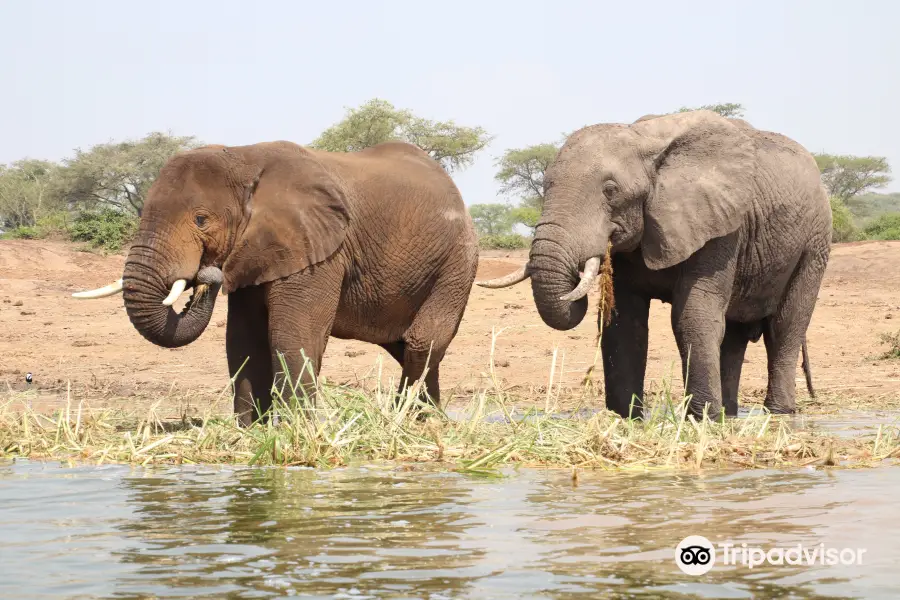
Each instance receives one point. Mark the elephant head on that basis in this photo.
(225, 216)
(665, 185)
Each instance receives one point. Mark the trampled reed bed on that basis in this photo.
(491, 429)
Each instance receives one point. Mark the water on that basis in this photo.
(380, 532)
(846, 423)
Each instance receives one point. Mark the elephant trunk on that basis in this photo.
(554, 263)
(570, 238)
(148, 298)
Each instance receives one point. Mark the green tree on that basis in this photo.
(491, 219)
(885, 227)
(453, 146)
(526, 215)
(727, 109)
(522, 171)
(27, 192)
(846, 176)
(843, 229)
(118, 175)
(374, 122)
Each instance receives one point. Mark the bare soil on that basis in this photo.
(90, 347)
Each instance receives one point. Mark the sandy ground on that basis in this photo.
(92, 347)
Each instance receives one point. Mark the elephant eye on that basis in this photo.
(610, 188)
(200, 220)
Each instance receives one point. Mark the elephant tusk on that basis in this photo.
(591, 268)
(107, 290)
(513, 278)
(177, 290)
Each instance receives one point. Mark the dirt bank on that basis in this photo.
(43, 330)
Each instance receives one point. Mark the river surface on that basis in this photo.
(380, 532)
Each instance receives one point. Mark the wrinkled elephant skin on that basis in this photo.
(729, 224)
(375, 245)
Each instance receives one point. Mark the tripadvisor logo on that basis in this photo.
(696, 555)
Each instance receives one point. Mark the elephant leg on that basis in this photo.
(624, 349)
(699, 302)
(784, 334)
(415, 361)
(698, 323)
(398, 351)
(302, 309)
(424, 346)
(247, 349)
(731, 361)
(433, 328)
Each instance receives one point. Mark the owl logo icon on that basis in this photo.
(695, 555)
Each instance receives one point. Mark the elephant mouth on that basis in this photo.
(200, 285)
(203, 282)
(149, 305)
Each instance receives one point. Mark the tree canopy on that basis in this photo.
(491, 218)
(39, 195)
(846, 176)
(522, 171)
(727, 109)
(27, 192)
(453, 146)
(119, 174)
(527, 216)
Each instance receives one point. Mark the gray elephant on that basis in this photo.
(729, 224)
(375, 245)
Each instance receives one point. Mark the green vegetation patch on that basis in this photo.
(106, 228)
(490, 430)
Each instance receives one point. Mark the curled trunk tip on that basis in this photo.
(145, 303)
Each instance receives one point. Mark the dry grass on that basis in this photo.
(348, 424)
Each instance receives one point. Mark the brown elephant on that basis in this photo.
(375, 245)
(727, 223)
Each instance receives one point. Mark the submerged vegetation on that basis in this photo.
(489, 429)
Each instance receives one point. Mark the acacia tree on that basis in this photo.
(453, 146)
(522, 171)
(27, 192)
(846, 176)
(119, 174)
(491, 219)
(521, 175)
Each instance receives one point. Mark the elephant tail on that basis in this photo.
(806, 370)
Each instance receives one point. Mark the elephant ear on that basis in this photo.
(704, 177)
(295, 216)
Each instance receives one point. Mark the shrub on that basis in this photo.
(107, 228)
(843, 228)
(892, 340)
(24, 232)
(503, 241)
(54, 224)
(50, 225)
(885, 227)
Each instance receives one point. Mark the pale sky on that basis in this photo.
(83, 72)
